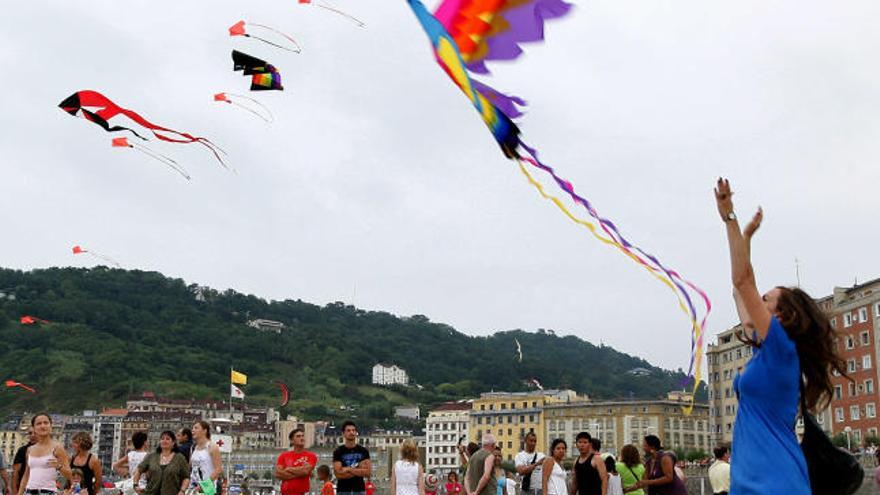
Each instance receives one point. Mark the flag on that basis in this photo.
(224, 442)
(235, 392)
(239, 378)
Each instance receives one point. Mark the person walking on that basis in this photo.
(660, 476)
(407, 476)
(205, 459)
(590, 477)
(615, 485)
(719, 471)
(19, 462)
(351, 463)
(44, 461)
(294, 467)
(126, 465)
(528, 466)
(166, 469)
(552, 472)
(88, 464)
(631, 470)
(795, 354)
(480, 477)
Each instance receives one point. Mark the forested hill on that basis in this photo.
(116, 332)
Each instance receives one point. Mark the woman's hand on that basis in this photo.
(724, 198)
(754, 225)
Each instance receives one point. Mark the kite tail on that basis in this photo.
(184, 138)
(668, 277)
(164, 159)
(297, 49)
(331, 8)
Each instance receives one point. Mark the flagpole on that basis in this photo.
(231, 370)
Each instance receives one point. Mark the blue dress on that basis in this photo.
(766, 457)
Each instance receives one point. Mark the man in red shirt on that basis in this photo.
(294, 467)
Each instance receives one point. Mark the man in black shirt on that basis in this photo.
(20, 461)
(351, 463)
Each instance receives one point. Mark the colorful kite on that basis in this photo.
(327, 6)
(240, 28)
(13, 384)
(122, 142)
(245, 103)
(285, 393)
(32, 320)
(264, 76)
(80, 250)
(97, 108)
(465, 34)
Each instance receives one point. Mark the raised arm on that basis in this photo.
(63, 462)
(119, 464)
(742, 273)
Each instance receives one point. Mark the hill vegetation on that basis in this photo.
(115, 332)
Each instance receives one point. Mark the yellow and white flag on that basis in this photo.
(239, 378)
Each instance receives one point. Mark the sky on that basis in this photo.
(378, 185)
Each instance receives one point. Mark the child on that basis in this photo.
(615, 486)
(76, 478)
(324, 478)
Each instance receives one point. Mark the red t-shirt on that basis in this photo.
(328, 487)
(298, 485)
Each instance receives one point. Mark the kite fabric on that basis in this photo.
(327, 6)
(264, 76)
(244, 103)
(13, 384)
(80, 250)
(285, 394)
(240, 28)
(97, 108)
(122, 142)
(31, 320)
(467, 33)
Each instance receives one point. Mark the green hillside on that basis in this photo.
(118, 332)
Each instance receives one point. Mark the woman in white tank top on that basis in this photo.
(205, 458)
(408, 477)
(45, 459)
(554, 476)
(127, 464)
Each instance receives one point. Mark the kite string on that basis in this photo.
(298, 48)
(256, 102)
(327, 6)
(164, 159)
(612, 230)
(696, 325)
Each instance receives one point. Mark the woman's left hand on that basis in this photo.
(724, 198)
(755, 224)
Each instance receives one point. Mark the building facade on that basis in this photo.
(446, 426)
(725, 358)
(509, 416)
(855, 316)
(389, 374)
(620, 422)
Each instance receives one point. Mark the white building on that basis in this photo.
(446, 425)
(266, 325)
(407, 412)
(389, 374)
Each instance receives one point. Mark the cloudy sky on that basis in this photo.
(378, 185)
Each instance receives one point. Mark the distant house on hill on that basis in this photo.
(389, 374)
(407, 412)
(266, 325)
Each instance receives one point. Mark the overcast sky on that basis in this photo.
(378, 184)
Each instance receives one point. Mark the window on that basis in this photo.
(877, 309)
(850, 343)
(847, 320)
(866, 362)
(838, 414)
(869, 386)
(852, 389)
(854, 413)
(739, 353)
(870, 410)
(503, 406)
(838, 392)
(866, 339)
(833, 322)
(863, 315)
(851, 365)
(834, 372)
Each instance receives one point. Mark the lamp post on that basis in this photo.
(848, 431)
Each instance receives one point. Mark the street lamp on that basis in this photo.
(848, 431)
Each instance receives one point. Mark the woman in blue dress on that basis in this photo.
(793, 341)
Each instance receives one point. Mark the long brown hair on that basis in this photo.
(808, 326)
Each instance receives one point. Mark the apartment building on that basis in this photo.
(446, 426)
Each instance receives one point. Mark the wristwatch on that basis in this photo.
(730, 217)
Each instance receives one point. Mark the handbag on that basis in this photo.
(833, 471)
(527, 479)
